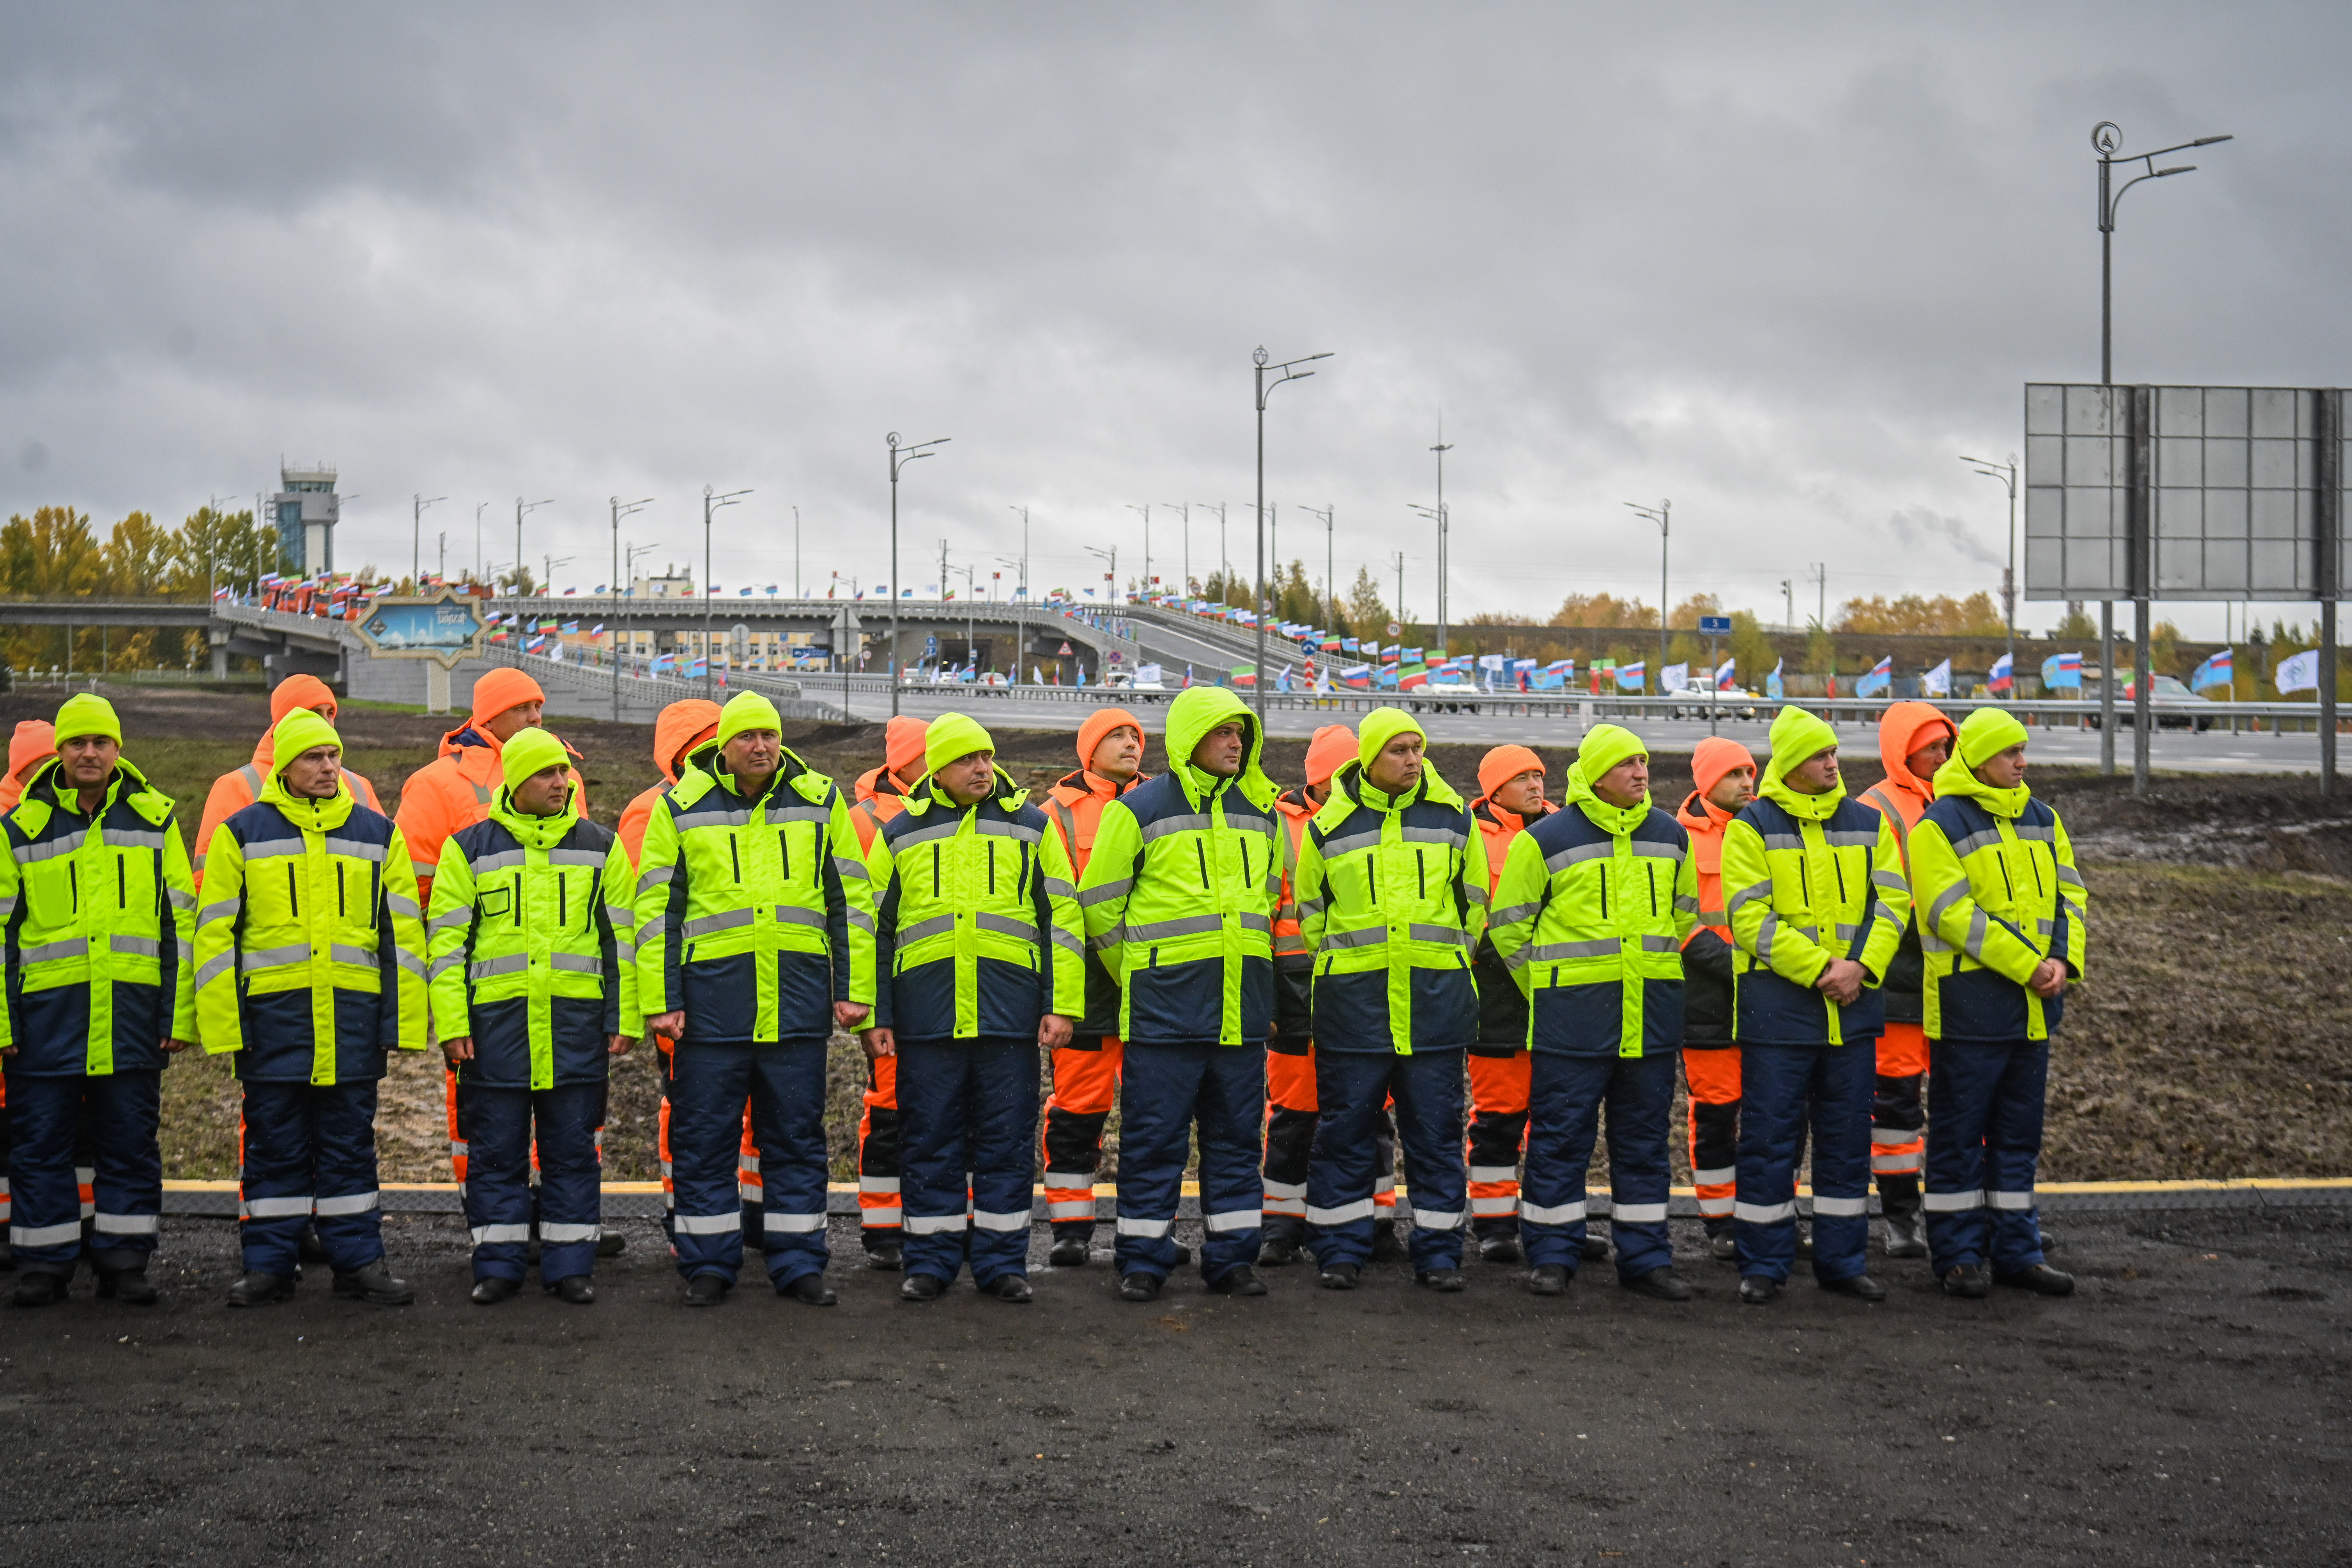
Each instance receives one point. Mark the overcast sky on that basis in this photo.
(1780, 265)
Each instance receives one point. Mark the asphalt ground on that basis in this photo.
(2187, 1406)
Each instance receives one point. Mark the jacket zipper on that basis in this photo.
(1652, 871)
(563, 902)
(992, 867)
(1201, 851)
(1421, 867)
(2007, 886)
(1837, 865)
(784, 849)
(1605, 892)
(935, 870)
(2033, 863)
(1371, 886)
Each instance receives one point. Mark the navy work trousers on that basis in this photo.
(1983, 1148)
(47, 1117)
(498, 1126)
(1352, 1089)
(708, 1087)
(967, 1110)
(303, 1150)
(1784, 1091)
(1165, 1091)
(1565, 1095)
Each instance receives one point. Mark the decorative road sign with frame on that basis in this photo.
(446, 627)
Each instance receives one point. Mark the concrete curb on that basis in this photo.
(643, 1200)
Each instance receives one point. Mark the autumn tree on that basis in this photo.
(1603, 611)
(1368, 614)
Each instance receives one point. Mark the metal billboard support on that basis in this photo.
(2142, 511)
(2329, 528)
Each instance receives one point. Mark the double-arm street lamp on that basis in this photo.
(2006, 473)
(899, 457)
(1287, 370)
(1662, 514)
(710, 503)
(418, 503)
(522, 507)
(621, 508)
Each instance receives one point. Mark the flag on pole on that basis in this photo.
(2299, 673)
(1632, 677)
(2061, 671)
(1936, 682)
(1674, 678)
(1772, 687)
(2217, 669)
(1880, 676)
(1726, 675)
(2000, 679)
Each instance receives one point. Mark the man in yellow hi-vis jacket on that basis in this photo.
(534, 989)
(1814, 884)
(309, 967)
(981, 956)
(97, 912)
(1589, 916)
(1391, 888)
(755, 936)
(2001, 923)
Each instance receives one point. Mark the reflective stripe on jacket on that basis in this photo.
(1180, 889)
(1801, 892)
(1392, 898)
(99, 917)
(977, 928)
(1996, 896)
(533, 954)
(753, 917)
(309, 943)
(1074, 807)
(1590, 917)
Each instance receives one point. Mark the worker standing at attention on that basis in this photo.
(980, 958)
(1723, 773)
(2003, 931)
(1179, 896)
(1290, 1114)
(533, 976)
(876, 798)
(1392, 894)
(1087, 1067)
(241, 786)
(1590, 917)
(1813, 884)
(755, 937)
(1511, 799)
(1913, 740)
(309, 969)
(97, 910)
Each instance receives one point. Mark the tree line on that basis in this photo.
(56, 555)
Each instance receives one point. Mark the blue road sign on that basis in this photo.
(1715, 625)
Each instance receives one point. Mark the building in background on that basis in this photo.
(306, 509)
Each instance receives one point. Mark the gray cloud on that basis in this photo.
(1780, 267)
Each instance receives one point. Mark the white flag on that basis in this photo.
(1674, 678)
(2300, 673)
(1936, 682)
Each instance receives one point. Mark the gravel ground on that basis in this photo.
(2186, 1406)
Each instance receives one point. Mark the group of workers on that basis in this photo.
(1297, 985)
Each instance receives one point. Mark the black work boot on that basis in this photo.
(1499, 1246)
(492, 1289)
(1282, 1241)
(1386, 1247)
(1906, 1225)
(39, 1288)
(306, 1249)
(1074, 1246)
(259, 1290)
(885, 1250)
(1720, 1243)
(611, 1244)
(128, 1286)
(375, 1285)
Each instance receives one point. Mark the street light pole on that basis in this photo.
(1662, 514)
(418, 503)
(1184, 511)
(899, 457)
(1022, 619)
(710, 503)
(1286, 371)
(620, 510)
(1441, 447)
(477, 541)
(2007, 474)
(1145, 512)
(521, 507)
(1330, 593)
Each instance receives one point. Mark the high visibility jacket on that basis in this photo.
(753, 916)
(977, 928)
(630, 830)
(454, 791)
(1801, 889)
(1074, 808)
(533, 953)
(241, 786)
(99, 916)
(1996, 881)
(1294, 965)
(874, 800)
(1710, 957)
(1392, 896)
(1902, 797)
(1502, 1010)
(1589, 916)
(1180, 888)
(309, 943)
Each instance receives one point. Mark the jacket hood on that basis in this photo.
(128, 784)
(1193, 715)
(1906, 726)
(1796, 736)
(35, 739)
(1087, 781)
(1700, 815)
(678, 729)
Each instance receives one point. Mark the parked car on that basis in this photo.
(2172, 704)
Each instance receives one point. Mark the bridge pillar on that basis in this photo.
(217, 636)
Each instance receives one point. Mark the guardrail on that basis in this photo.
(664, 689)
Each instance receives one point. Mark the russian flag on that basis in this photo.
(2217, 670)
(1356, 677)
(1881, 676)
(2000, 679)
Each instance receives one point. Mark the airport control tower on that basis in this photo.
(306, 507)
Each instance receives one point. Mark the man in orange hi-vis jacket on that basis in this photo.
(33, 742)
(1915, 739)
(1086, 1071)
(877, 797)
(1724, 773)
(680, 730)
(451, 792)
(239, 787)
